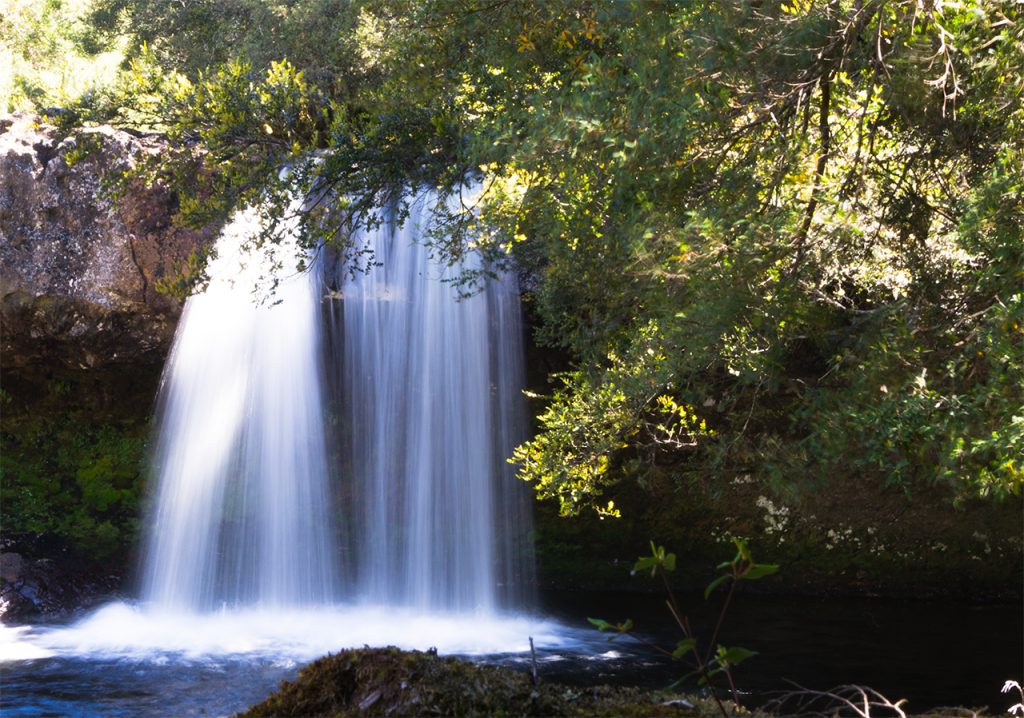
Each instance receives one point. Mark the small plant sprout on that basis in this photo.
(1016, 709)
(716, 659)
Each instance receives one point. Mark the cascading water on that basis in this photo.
(431, 383)
(430, 392)
(241, 514)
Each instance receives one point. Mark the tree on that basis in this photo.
(778, 238)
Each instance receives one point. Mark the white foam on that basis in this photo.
(16, 644)
(122, 630)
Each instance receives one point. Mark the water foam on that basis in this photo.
(131, 631)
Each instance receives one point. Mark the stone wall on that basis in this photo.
(78, 270)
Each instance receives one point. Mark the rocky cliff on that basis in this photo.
(78, 269)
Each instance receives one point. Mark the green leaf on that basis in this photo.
(659, 559)
(732, 656)
(683, 647)
(603, 625)
(760, 570)
(647, 562)
(715, 584)
(742, 552)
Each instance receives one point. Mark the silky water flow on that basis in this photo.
(432, 380)
(429, 397)
(242, 513)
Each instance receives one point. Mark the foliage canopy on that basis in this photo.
(780, 238)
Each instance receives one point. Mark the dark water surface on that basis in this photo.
(130, 688)
(931, 653)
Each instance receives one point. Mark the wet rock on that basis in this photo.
(11, 565)
(78, 269)
(48, 589)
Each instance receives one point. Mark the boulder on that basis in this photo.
(78, 268)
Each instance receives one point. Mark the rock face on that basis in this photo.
(78, 270)
(30, 590)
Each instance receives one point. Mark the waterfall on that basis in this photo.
(432, 387)
(241, 514)
(421, 511)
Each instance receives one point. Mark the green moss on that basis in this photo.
(387, 681)
(72, 451)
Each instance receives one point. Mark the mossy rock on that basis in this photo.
(390, 682)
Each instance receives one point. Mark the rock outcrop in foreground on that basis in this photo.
(390, 682)
(78, 270)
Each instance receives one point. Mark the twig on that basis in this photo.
(859, 700)
(533, 663)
